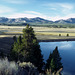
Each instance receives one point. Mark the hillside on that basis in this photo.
(38, 22)
(68, 21)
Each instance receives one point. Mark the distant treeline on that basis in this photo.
(13, 24)
(54, 25)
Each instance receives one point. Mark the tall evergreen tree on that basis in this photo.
(57, 59)
(48, 61)
(31, 48)
(54, 61)
(52, 65)
(16, 50)
(28, 48)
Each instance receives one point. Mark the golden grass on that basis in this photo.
(54, 33)
(13, 32)
(40, 32)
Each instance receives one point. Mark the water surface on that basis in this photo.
(67, 52)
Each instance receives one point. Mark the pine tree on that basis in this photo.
(57, 59)
(19, 40)
(16, 50)
(54, 61)
(28, 48)
(14, 38)
(52, 65)
(31, 48)
(48, 61)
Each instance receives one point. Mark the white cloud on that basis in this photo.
(17, 1)
(60, 10)
(58, 17)
(32, 14)
(28, 14)
(20, 15)
(63, 8)
(64, 46)
(66, 8)
(5, 9)
(53, 8)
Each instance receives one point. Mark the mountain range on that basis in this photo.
(36, 20)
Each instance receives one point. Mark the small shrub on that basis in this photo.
(59, 34)
(12, 68)
(67, 35)
(8, 68)
(28, 68)
(48, 72)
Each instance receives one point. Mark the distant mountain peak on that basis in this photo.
(70, 20)
(36, 20)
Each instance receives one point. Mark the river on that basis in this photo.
(67, 53)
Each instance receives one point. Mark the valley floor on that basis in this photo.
(42, 33)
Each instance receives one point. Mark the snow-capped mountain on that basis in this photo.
(36, 20)
(70, 20)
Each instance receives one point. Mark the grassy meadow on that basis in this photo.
(42, 33)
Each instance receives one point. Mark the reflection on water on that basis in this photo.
(67, 52)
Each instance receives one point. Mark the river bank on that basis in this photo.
(40, 39)
(56, 40)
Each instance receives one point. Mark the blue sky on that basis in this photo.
(47, 9)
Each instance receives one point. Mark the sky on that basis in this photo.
(47, 9)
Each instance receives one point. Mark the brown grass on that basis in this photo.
(40, 32)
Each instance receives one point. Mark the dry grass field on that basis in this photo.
(42, 33)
